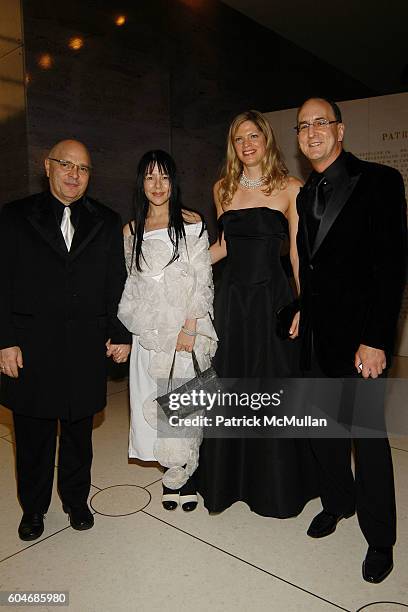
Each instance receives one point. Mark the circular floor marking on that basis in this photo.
(384, 606)
(120, 500)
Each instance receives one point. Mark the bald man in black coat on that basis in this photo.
(61, 282)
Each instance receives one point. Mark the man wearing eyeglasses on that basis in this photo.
(352, 244)
(62, 278)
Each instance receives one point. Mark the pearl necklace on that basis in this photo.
(250, 183)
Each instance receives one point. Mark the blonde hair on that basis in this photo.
(274, 170)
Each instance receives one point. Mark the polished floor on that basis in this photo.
(140, 558)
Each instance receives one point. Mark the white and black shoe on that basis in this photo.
(170, 498)
(188, 495)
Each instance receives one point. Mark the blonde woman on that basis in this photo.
(256, 207)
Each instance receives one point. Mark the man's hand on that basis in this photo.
(294, 328)
(369, 361)
(118, 352)
(11, 359)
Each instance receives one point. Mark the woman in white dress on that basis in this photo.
(167, 305)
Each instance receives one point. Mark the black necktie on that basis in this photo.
(315, 208)
(319, 201)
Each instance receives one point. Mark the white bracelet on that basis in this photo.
(188, 332)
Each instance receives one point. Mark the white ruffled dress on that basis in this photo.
(154, 305)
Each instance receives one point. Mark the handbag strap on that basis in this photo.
(196, 367)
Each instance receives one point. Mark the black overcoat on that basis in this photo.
(353, 276)
(59, 307)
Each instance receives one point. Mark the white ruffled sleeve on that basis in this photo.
(128, 248)
(200, 300)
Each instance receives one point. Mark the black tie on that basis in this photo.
(319, 201)
(315, 208)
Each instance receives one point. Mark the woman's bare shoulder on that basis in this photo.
(217, 200)
(191, 216)
(126, 228)
(217, 189)
(293, 184)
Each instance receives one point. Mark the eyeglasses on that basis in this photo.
(318, 124)
(67, 166)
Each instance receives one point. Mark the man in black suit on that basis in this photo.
(352, 245)
(61, 277)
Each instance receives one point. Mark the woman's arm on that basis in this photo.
(186, 339)
(294, 186)
(128, 245)
(218, 250)
(200, 302)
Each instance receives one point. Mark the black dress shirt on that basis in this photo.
(332, 178)
(59, 208)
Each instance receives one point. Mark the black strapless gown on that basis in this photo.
(275, 477)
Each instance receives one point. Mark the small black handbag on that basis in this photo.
(206, 381)
(284, 318)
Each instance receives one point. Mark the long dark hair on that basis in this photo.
(165, 165)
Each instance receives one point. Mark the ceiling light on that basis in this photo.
(45, 61)
(76, 43)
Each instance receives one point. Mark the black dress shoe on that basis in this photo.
(377, 564)
(31, 526)
(81, 518)
(324, 524)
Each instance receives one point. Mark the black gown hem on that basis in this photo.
(262, 512)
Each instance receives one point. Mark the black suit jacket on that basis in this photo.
(59, 307)
(353, 276)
